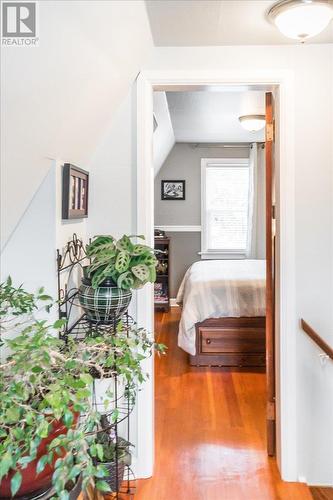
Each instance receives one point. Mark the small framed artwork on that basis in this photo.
(75, 187)
(173, 190)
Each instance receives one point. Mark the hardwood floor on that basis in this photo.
(210, 432)
(321, 493)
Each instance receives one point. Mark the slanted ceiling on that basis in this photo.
(214, 116)
(164, 137)
(59, 98)
(203, 117)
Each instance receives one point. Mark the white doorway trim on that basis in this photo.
(286, 326)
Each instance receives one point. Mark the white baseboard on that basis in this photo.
(173, 303)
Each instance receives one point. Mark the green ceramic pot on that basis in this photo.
(105, 304)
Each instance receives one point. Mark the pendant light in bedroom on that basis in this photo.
(252, 123)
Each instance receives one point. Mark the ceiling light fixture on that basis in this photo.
(301, 19)
(252, 123)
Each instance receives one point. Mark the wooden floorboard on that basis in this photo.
(210, 440)
(321, 493)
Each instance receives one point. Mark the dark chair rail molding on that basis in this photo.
(317, 339)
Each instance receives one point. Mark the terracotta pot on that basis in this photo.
(31, 481)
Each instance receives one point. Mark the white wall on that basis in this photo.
(312, 68)
(314, 260)
(164, 137)
(29, 256)
(112, 190)
(58, 98)
(58, 101)
(112, 208)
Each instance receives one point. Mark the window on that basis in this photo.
(226, 195)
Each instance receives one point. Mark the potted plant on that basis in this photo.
(46, 384)
(116, 268)
(43, 391)
(112, 452)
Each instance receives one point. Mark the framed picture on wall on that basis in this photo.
(75, 187)
(173, 190)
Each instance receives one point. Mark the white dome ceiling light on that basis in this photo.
(252, 123)
(301, 19)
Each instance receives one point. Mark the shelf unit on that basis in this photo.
(70, 263)
(162, 284)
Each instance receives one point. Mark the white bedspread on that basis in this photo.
(219, 288)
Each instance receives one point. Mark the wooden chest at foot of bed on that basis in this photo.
(230, 342)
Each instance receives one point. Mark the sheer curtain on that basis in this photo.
(251, 251)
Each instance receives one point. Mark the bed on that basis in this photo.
(223, 313)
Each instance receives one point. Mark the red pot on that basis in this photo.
(31, 481)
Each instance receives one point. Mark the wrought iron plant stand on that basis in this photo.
(70, 263)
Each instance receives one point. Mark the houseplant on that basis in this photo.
(116, 268)
(44, 389)
(45, 385)
(113, 453)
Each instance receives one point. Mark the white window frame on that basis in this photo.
(207, 253)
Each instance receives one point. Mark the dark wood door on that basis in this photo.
(270, 268)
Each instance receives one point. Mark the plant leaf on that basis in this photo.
(141, 272)
(75, 471)
(12, 415)
(125, 244)
(41, 464)
(98, 277)
(86, 378)
(102, 486)
(152, 274)
(98, 243)
(44, 297)
(68, 418)
(125, 281)
(15, 483)
(59, 323)
(122, 261)
(140, 249)
(100, 452)
(5, 464)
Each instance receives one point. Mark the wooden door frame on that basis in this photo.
(286, 321)
(270, 277)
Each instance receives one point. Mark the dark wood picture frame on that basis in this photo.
(164, 196)
(75, 189)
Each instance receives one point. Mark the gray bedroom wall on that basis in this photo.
(184, 248)
(184, 162)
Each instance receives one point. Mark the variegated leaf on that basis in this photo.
(141, 272)
(122, 262)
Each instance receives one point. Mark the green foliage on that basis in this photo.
(46, 381)
(130, 265)
(105, 448)
(15, 302)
